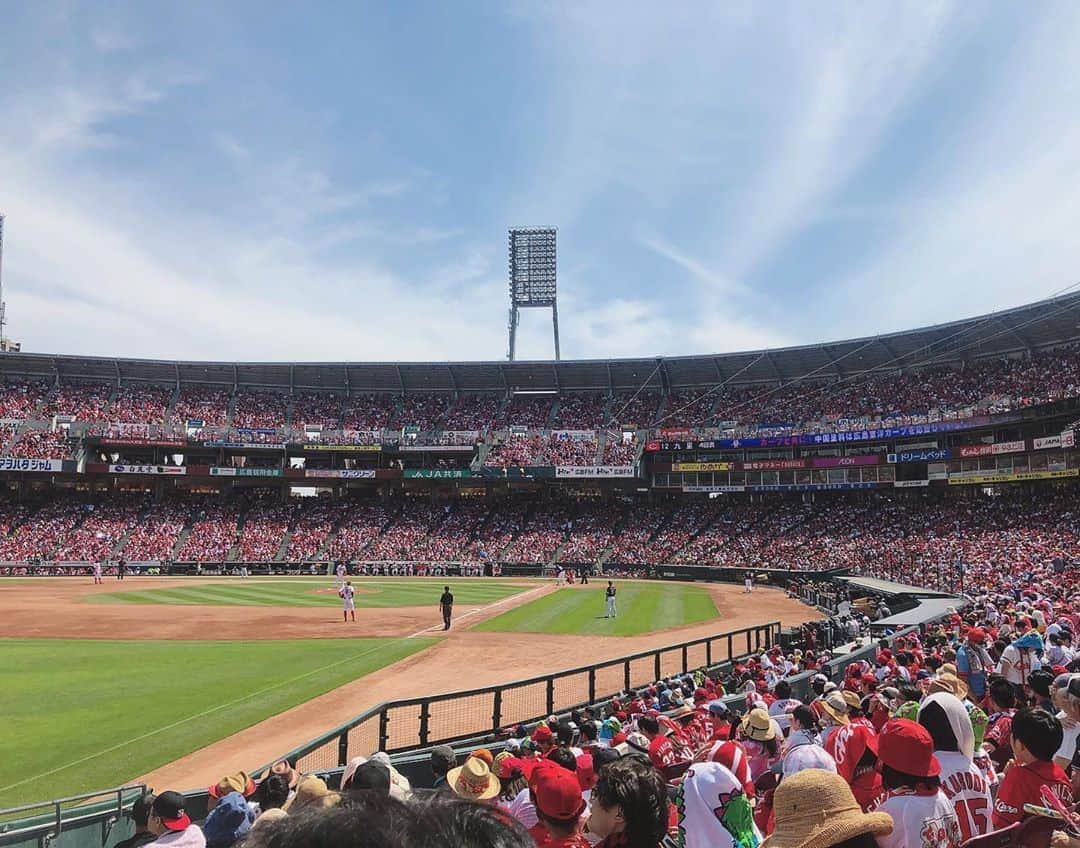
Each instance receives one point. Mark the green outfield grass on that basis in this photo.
(82, 715)
(642, 608)
(302, 592)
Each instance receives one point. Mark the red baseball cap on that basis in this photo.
(976, 634)
(542, 734)
(556, 792)
(907, 747)
(586, 773)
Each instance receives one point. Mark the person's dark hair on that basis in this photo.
(636, 787)
(140, 810)
(564, 734)
(648, 724)
(371, 776)
(909, 693)
(1002, 693)
(588, 731)
(933, 718)
(1039, 682)
(933, 663)
(443, 759)
(1039, 731)
(863, 840)
(805, 717)
(465, 824)
(772, 746)
(782, 690)
(867, 759)
(446, 588)
(273, 792)
(893, 779)
(363, 820)
(563, 757)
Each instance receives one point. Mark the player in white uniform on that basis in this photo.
(348, 606)
(340, 572)
(748, 583)
(97, 573)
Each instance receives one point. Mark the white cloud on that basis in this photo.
(714, 278)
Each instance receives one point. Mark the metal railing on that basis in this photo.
(401, 726)
(46, 828)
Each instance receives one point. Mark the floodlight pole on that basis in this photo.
(532, 278)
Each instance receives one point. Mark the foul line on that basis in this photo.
(485, 608)
(203, 714)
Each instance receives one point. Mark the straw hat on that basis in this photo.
(816, 809)
(312, 792)
(947, 682)
(757, 725)
(835, 707)
(474, 780)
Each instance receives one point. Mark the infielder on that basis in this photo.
(348, 606)
(97, 572)
(340, 572)
(609, 593)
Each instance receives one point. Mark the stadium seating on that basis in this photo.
(580, 412)
(369, 412)
(260, 409)
(21, 399)
(41, 444)
(202, 403)
(516, 451)
(140, 404)
(82, 401)
(323, 409)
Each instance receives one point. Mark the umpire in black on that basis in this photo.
(446, 605)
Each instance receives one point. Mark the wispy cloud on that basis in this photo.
(711, 276)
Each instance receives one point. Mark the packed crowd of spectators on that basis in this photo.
(404, 537)
(202, 403)
(516, 451)
(633, 538)
(528, 410)
(21, 399)
(265, 523)
(43, 531)
(213, 532)
(496, 532)
(635, 409)
(424, 410)
(82, 401)
(618, 452)
(102, 527)
(156, 532)
(459, 525)
(41, 444)
(570, 450)
(260, 409)
(473, 412)
(360, 525)
(540, 536)
(322, 409)
(140, 403)
(580, 412)
(592, 531)
(369, 411)
(312, 523)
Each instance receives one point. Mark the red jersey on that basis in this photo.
(867, 788)
(662, 752)
(1000, 734)
(543, 838)
(1021, 786)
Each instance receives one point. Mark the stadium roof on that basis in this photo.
(1038, 325)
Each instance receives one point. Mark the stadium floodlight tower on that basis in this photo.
(532, 276)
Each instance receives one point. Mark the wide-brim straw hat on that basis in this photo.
(816, 809)
(757, 725)
(474, 780)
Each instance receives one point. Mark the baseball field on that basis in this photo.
(176, 680)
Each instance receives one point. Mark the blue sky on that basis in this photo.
(335, 181)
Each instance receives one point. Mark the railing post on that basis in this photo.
(626, 675)
(685, 659)
(496, 711)
(343, 749)
(730, 647)
(592, 684)
(748, 648)
(384, 729)
(656, 665)
(708, 653)
(425, 718)
(550, 695)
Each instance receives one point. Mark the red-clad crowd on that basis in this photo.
(323, 409)
(139, 403)
(202, 403)
(368, 412)
(260, 409)
(516, 451)
(41, 444)
(82, 401)
(570, 450)
(22, 399)
(473, 412)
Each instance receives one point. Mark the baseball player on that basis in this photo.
(348, 606)
(340, 572)
(609, 593)
(748, 583)
(97, 572)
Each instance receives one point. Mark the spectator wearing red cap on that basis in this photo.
(556, 795)
(1036, 735)
(663, 753)
(171, 824)
(973, 662)
(543, 738)
(922, 815)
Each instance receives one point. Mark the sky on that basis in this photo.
(335, 181)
